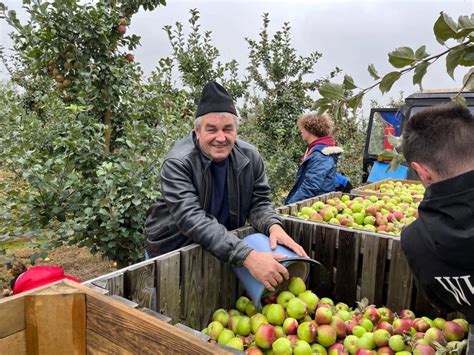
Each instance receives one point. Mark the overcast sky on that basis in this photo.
(349, 33)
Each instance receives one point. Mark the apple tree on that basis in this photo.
(88, 155)
(283, 87)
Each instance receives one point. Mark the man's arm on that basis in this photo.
(264, 217)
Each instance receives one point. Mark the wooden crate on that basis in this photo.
(69, 318)
(360, 191)
(190, 283)
(360, 263)
(185, 285)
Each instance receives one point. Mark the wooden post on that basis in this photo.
(55, 324)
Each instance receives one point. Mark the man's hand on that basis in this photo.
(279, 236)
(265, 268)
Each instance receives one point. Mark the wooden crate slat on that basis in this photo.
(400, 283)
(168, 288)
(14, 344)
(373, 266)
(12, 320)
(212, 287)
(125, 301)
(191, 286)
(112, 282)
(160, 316)
(347, 262)
(55, 322)
(131, 329)
(325, 251)
(139, 284)
(228, 291)
(98, 345)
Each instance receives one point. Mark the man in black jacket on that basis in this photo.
(211, 183)
(438, 143)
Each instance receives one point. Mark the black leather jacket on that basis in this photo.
(180, 216)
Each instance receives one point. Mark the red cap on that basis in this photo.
(37, 276)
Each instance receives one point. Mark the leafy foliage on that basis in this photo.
(197, 61)
(87, 149)
(417, 61)
(278, 75)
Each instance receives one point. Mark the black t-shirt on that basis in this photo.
(220, 198)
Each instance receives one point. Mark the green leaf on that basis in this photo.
(468, 80)
(452, 60)
(355, 101)
(444, 28)
(420, 71)
(323, 105)
(331, 91)
(421, 53)
(396, 161)
(394, 141)
(349, 83)
(388, 80)
(467, 59)
(401, 57)
(459, 100)
(373, 72)
(466, 26)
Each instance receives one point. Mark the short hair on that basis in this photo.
(197, 121)
(319, 125)
(441, 137)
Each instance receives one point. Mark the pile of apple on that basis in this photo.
(386, 214)
(296, 321)
(398, 188)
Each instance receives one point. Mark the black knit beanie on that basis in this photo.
(215, 98)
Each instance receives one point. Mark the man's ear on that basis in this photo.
(425, 173)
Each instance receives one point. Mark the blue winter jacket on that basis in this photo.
(316, 175)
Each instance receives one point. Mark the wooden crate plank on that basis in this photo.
(133, 330)
(112, 282)
(229, 290)
(139, 284)
(375, 251)
(212, 287)
(193, 332)
(55, 324)
(98, 345)
(347, 263)
(324, 249)
(191, 286)
(160, 316)
(14, 344)
(12, 315)
(98, 289)
(168, 289)
(400, 282)
(125, 301)
(244, 231)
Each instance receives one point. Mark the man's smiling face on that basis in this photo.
(217, 133)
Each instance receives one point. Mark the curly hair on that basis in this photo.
(318, 125)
